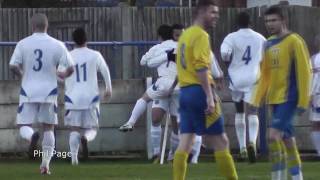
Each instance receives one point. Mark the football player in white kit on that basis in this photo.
(243, 49)
(82, 97)
(36, 58)
(315, 97)
(165, 83)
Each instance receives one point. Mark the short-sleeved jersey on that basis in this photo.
(244, 50)
(39, 55)
(285, 72)
(82, 89)
(193, 54)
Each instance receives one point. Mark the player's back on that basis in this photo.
(39, 55)
(168, 69)
(82, 86)
(193, 53)
(247, 48)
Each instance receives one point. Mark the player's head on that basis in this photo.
(177, 31)
(39, 23)
(207, 13)
(79, 36)
(165, 32)
(275, 19)
(243, 20)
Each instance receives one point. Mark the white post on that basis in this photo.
(190, 3)
(149, 122)
(181, 3)
(165, 137)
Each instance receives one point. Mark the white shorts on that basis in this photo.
(87, 118)
(237, 96)
(160, 88)
(29, 113)
(314, 114)
(171, 104)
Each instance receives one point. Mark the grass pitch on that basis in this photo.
(137, 170)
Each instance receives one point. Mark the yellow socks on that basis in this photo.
(294, 161)
(226, 165)
(180, 165)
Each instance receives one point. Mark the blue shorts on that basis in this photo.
(193, 103)
(282, 117)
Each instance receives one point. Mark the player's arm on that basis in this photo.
(157, 60)
(16, 61)
(215, 68)
(226, 50)
(65, 61)
(217, 73)
(201, 64)
(303, 73)
(146, 57)
(104, 70)
(260, 91)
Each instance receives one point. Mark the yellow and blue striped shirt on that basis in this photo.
(285, 72)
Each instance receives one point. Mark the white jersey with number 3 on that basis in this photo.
(82, 91)
(244, 48)
(39, 55)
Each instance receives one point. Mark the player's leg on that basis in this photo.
(174, 137)
(25, 118)
(192, 102)
(47, 116)
(158, 111)
(218, 140)
(196, 148)
(315, 134)
(253, 126)
(240, 122)
(282, 117)
(181, 156)
(90, 125)
(292, 153)
(74, 143)
(277, 154)
(72, 119)
(138, 110)
(175, 119)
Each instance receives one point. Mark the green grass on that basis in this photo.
(136, 170)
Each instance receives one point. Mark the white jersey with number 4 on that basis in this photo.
(244, 49)
(39, 55)
(82, 91)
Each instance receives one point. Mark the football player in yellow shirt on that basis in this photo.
(200, 109)
(284, 85)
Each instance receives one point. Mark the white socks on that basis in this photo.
(253, 122)
(315, 136)
(196, 149)
(174, 142)
(47, 148)
(298, 177)
(156, 139)
(90, 134)
(240, 124)
(26, 132)
(74, 142)
(138, 110)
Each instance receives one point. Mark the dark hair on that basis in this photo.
(165, 32)
(276, 9)
(204, 4)
(243, 19)
(177, 26)
(79, 36)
